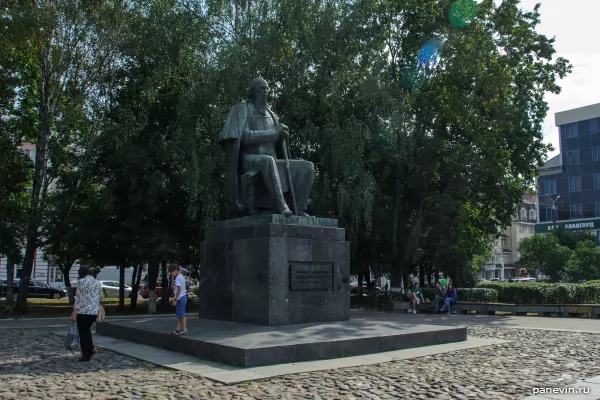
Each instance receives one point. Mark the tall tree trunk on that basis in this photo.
(45, 109)
(422, 274)
(153, 266)
(396, 271)
(10, 281)
(164, 300)
(121, 287)
(27, 269)
(66, 271)
(135, 281)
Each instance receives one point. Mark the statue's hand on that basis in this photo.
(283, 131)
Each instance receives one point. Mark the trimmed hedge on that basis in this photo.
(544, 293)
(477, 295)
(472, 295)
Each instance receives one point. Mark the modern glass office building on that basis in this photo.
(571, 180)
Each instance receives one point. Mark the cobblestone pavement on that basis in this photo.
(33, 365)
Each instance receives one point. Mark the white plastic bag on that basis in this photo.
(72, 339)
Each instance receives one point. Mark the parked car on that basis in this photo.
(36, 290)
(145, 290)
(112, 287)
(515, 280)
(73, 288)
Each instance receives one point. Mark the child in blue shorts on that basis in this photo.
(179, 301)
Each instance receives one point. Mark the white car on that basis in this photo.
(112, 288)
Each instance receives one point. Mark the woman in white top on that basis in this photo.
(87, 306)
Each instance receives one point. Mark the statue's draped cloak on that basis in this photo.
(230, 139)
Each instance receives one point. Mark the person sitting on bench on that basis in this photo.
(451, 298)
(439, 295)
(415, 297)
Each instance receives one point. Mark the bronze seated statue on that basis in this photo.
(258, 168)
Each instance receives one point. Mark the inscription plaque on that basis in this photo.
(311, 276)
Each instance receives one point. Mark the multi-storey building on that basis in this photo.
(569, 184)
(502, 263)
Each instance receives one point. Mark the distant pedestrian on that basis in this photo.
(180, 300)
(87, 306)
(386, 287)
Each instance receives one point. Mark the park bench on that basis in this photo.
(546, 310)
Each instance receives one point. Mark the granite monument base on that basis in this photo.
(254, 345)
(272, 270)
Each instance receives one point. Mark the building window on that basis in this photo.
(531, 229)
(550, 187)
(523, 215)
(575, 184)
(31, 154)
(597, 209)
(594, 127)
(56, 274)
(576, 211)
(532, 215)
(549, 214)
(18, 270)
(504, 242)
(571, 130)
(507, 258)
(596, 153)
(573, 157)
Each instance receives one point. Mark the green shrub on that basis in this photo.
(593, 282)
(544, 293)
(477, 295)
(196, 291)
(105, 292)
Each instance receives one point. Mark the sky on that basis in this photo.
(574, 25)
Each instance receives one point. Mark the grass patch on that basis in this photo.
(65, 301)
(45, 308)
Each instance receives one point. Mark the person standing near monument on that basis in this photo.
(180, 300)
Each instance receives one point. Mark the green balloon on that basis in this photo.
(444, 282)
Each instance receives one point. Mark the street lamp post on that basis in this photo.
(554, 211)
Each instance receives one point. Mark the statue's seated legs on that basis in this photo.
(265, 187)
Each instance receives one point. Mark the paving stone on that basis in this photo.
(34, 365)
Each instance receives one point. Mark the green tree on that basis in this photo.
(544, 253)
(584, 264)
(67, 48)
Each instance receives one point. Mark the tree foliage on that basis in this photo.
(562, 255)
(423, 130)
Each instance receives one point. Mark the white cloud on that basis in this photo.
(574, 25)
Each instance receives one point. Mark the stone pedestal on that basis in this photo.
(272, 270)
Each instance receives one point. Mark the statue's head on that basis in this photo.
(258, 91)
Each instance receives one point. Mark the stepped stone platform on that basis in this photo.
(246, 345)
